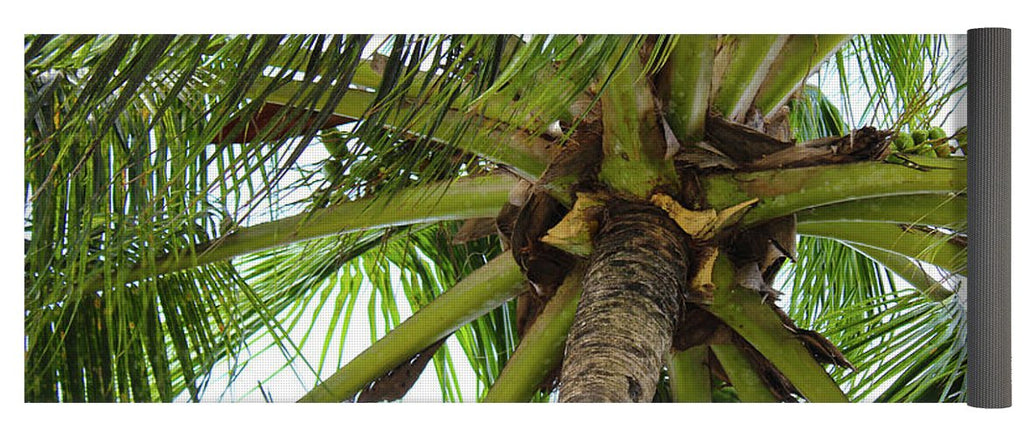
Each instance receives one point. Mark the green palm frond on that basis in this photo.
(912, 349)
(488, 341)
(327, 276)
(813, 116)
(908, 78)
(830, 275)
(150, 341)
(851, 293)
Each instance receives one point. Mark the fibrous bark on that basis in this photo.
(632, 296)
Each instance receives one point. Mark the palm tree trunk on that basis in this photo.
(631, 300)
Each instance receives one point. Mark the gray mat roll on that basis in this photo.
(988, 218)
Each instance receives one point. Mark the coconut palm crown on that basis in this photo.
(601, 217)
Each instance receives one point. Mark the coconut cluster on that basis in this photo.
(926, 142)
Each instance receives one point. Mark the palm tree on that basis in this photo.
(601, 216)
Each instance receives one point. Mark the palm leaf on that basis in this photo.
(841, 291)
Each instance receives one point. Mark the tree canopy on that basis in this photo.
(189, 196)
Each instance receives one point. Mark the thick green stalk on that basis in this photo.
(744, 378)
(748, 59)
(633, 142)
(501, 101)
(524, 152)
(498, 105)
(689, 376)
(541, 348)
(784, 192)
(933, 248)
(940, 210)
(908, 270)
(800, 57)
(466, 198)
(743, 311)
(686, 79)
(480, 292)
(366, 75)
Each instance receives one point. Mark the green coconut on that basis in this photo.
(941, 148)
(335, 141)
(903, 141)
(920, 136)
